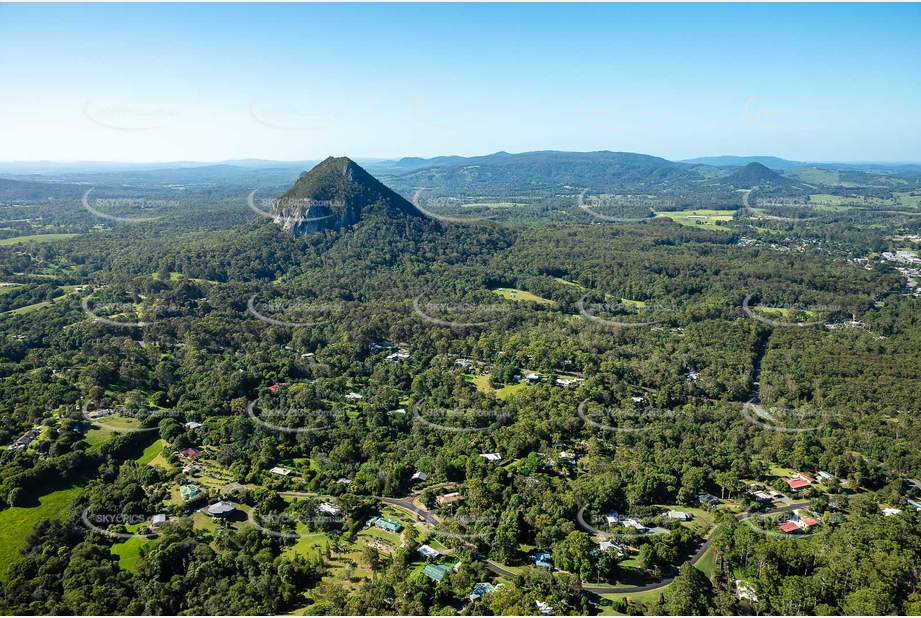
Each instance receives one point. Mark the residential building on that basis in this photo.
(329, 508)
(158, 520)
(679, 515)
(221, 509)
(436, 572)
(428, 553)
(448, 498)
(480, 590)
(542, 559)
(280, 471)
(493, 457)
(189, 492)
(419, 477)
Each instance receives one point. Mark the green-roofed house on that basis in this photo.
(480, 590)
(390, 525)
(189, 492)
(436, 572)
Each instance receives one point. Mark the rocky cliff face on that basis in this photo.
(336, 193)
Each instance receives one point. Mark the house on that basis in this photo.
(679, 515)
(825, 476)
(448, 498)
(192, 425)
(567, 381)
(344, 481)
(493, 457)
(789, 527)
(542, 559)
(543, 608)
(707, 499)
(612, 518)
(354, 396)
(26, 438)
(390, 525)
(397, 411)
(480, 590)
(692, 375)
(419, 477)
(889, 512)
(532, 377)
(796, 484)
(329, 508)
(806, 477)
(189, 492)
(158, 520)
(94, 414)
(188, 468)
(280, 471)
(745, 591)
(436, 572)
(914, 503)
(221, 509)
(762, 496)
(274, 388)
(633, 523)
(464, 363)
(567, 455)
(191, 453)
(611, 546)
(396, 356)
(428, 553)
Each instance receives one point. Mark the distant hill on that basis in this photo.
(531, 170)
(336, 193)
(756, 174)
(732, 161)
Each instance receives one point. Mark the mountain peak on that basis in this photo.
(337, 192)
(753, 174)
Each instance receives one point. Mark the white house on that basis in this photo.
(329, 508)
(632, 523)
(494, 457)
(158, 520)
(612, 518)
(353, 396)
(192, 425)
(420, 476)
(889, 512)
(428, 553)
(280, 471)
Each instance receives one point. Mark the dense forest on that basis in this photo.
(610, 366)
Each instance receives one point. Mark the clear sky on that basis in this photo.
(168, 82)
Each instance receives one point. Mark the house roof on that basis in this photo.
(280, 470)
(788, 527)
(428, 552)
(436, 572)
(796, 483)
(480, 589)
(221, 508)
(809, 521)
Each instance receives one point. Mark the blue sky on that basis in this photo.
(211, 82)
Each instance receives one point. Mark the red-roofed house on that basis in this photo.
(789, 527)
(796, 484)
(808, 522)
(274, 388)
(806, 478)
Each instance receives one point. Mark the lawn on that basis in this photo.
(151, 452)
(129, 552)
(36, 238)
(520, 295)
(30, 308)
(16, 522)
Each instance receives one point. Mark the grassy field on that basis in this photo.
(519, 295)
(16, 522)
(30, 308)
(702, 218)
(151, 452)
(129, 552)
(36, 238)
(492, 205)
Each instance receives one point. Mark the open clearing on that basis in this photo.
(36, 238)
(520, 295)
(700, 217)
(16, 522)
